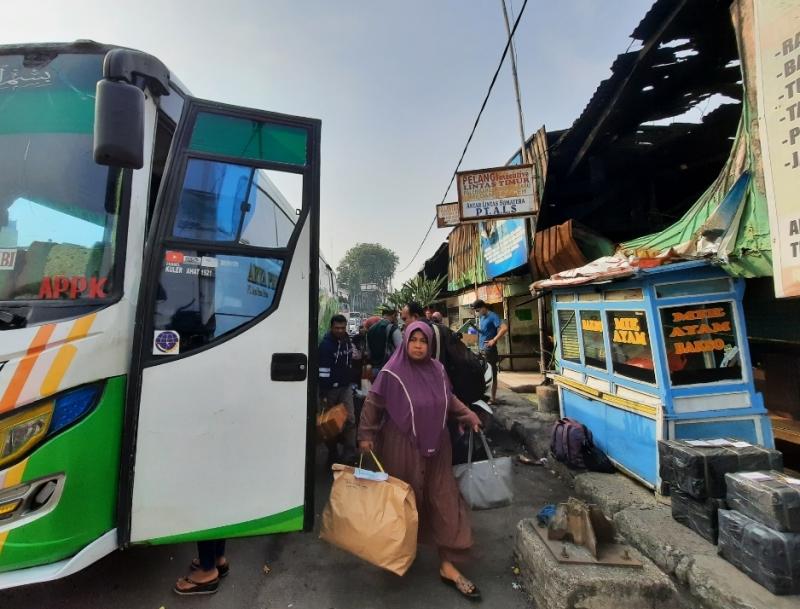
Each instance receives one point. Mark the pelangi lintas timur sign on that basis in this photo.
(502, 192)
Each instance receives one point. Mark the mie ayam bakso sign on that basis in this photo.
(501, 192)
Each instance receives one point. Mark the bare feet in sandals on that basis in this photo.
(452, 577)
(198, 582)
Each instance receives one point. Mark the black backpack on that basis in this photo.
(379, 341)
(572, 443)
(465, 368)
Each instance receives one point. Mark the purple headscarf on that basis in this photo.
(415, 393)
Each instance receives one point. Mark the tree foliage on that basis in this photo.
(366, 263)
(424, 291)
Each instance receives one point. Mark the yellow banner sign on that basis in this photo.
(592, 325)
(627, 330)
(502, 192)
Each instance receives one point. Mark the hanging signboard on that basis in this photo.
(504, 245)
(778, 63)
(501, 192)
(447, 215)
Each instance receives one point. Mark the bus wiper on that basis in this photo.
(12, 319)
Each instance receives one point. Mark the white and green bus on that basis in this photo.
(158, 311)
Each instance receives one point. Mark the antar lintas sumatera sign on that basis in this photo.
(502, 192)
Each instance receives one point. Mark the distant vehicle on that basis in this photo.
(353, 324)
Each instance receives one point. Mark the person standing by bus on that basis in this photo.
(383, 337)
(335, 356)
(206, 570)
(404, 420)
(490, 329)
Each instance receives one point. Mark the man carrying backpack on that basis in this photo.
(490, 329)
(383, 338)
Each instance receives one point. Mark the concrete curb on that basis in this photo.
(643, 521)
(555, 585)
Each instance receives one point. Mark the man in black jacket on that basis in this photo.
(335, 356)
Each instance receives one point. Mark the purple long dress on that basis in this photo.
(404, 415)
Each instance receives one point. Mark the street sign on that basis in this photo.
(447, 214)
(500, 192)
(777, 50)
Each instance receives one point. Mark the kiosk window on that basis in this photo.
(701, 343)
(594, 348)
(630, 345)
(568, 336)
(203, 296)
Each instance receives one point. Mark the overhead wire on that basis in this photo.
(472, 133)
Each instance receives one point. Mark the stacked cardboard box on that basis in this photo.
(761, 535)
(700, 516)
(695, 472)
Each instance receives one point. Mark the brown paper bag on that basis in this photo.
(375, 520)
(331, 422)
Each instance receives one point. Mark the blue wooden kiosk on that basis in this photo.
(662, 354)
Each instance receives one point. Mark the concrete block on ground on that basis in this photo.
(717, 584)
(668, 543)
(547, 396)
(519, 416)
(613, 492)
(520, 382)
(554, 585)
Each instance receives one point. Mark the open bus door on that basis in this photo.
(220, 404)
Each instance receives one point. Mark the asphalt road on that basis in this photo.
(306, 573)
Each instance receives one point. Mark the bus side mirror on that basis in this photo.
(119, 125)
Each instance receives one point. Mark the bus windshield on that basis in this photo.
(59, 211)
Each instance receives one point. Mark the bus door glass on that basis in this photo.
(220, 404)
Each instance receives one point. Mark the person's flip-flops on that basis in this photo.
(222, 570)
(197, 587)
(461, 585)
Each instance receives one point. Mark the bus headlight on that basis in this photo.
(21, 431)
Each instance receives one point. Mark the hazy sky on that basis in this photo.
(397, 85)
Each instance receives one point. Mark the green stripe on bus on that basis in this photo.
(283, 522)
(39, 111)
(249, 139)
(88, 453)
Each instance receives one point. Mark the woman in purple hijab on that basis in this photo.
(404, 418)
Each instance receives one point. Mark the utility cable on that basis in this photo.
(472, 133)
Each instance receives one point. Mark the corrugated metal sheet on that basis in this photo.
(555, 250)
(466, 262)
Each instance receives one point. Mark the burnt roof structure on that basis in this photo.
(631, 163)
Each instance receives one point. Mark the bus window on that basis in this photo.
(59, 210)
(225, 202)
(272, 209)
(203, 296)
(165, 130)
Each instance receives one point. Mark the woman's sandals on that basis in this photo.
(465, 587)
(196, 588)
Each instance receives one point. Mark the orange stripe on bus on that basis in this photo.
(13, 478)
(25, 366)
(65, 355)
(81, 327)
(58, 369)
